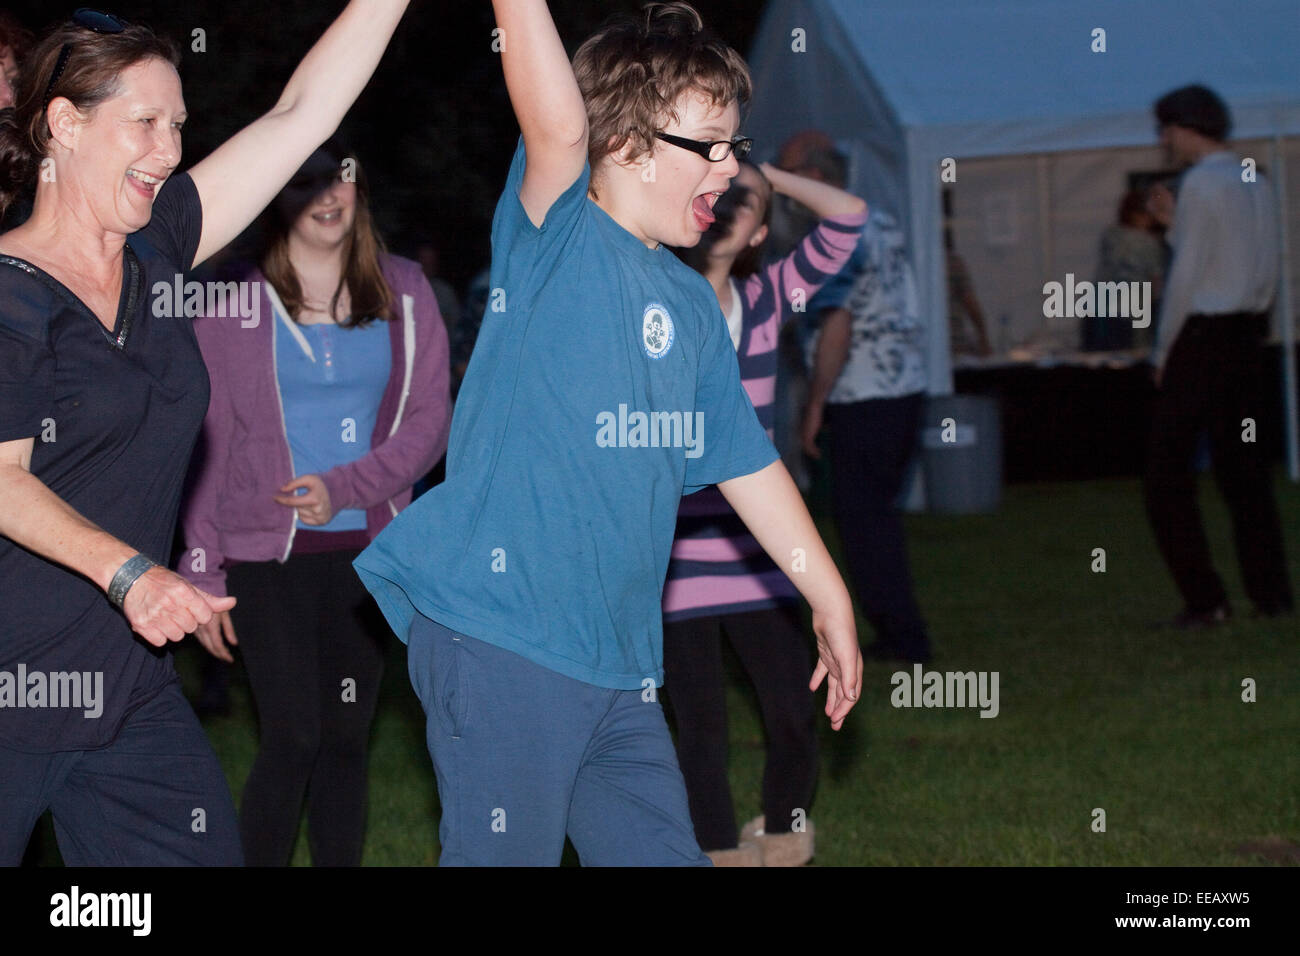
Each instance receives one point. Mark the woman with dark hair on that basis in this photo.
(102, 394)
(323, 415)
(719, 580)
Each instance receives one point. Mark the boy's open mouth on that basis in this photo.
(703, 209)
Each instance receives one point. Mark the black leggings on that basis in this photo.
(775, 654)
(312, 640)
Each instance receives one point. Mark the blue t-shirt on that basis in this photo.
(331, 398)
(603, 386)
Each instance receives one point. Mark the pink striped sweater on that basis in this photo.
(716, 566)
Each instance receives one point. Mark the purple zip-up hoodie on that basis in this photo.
(242, 458)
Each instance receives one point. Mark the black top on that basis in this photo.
(115, 417)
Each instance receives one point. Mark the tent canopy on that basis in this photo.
(1014, 76)
(904, 84)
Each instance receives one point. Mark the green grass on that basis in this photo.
(1097, 710)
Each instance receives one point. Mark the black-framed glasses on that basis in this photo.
(715, 151)
(92, 20)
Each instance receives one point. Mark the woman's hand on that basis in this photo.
(162, 606)
(772, 174)
(314, 507)
(210, 636)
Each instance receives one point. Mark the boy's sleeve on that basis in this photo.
(513, 233)
(730, 441)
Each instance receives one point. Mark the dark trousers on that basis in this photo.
(871, 443)
(155, 796)
(312, 640)
(772, 648)
(1212, 381)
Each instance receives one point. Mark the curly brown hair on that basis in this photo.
(633, 70)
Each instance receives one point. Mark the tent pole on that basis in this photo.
(1286, 310)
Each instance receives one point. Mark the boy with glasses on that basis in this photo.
(603, 387)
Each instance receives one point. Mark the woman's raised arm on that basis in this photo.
(244, 174)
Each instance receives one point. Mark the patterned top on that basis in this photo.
(886, 352)
(717, 567)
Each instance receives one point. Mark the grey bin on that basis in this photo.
(962, 458)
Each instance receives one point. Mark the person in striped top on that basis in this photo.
(719, 578)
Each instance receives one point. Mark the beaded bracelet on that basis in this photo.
(126, 576)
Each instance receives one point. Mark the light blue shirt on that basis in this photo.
(603, 386)
(331, 392)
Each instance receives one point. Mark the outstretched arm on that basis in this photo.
(546, 100)
(771, 507)
(244, 174)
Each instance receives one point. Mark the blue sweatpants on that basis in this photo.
(155, 796)
(524, 755)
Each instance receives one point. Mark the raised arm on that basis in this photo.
(819, 260)
(823, 199)
(546, 100)
(771, 507)
(244, 174)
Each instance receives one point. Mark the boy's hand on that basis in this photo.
(840, 662)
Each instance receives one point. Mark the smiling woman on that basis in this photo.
(95, 440)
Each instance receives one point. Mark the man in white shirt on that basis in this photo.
(1209, 362)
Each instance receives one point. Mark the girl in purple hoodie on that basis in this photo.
(329, 369)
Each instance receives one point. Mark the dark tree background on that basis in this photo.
(433, 129)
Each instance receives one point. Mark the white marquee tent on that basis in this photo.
(1044, 129)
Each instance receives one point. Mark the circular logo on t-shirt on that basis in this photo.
(657, 332)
